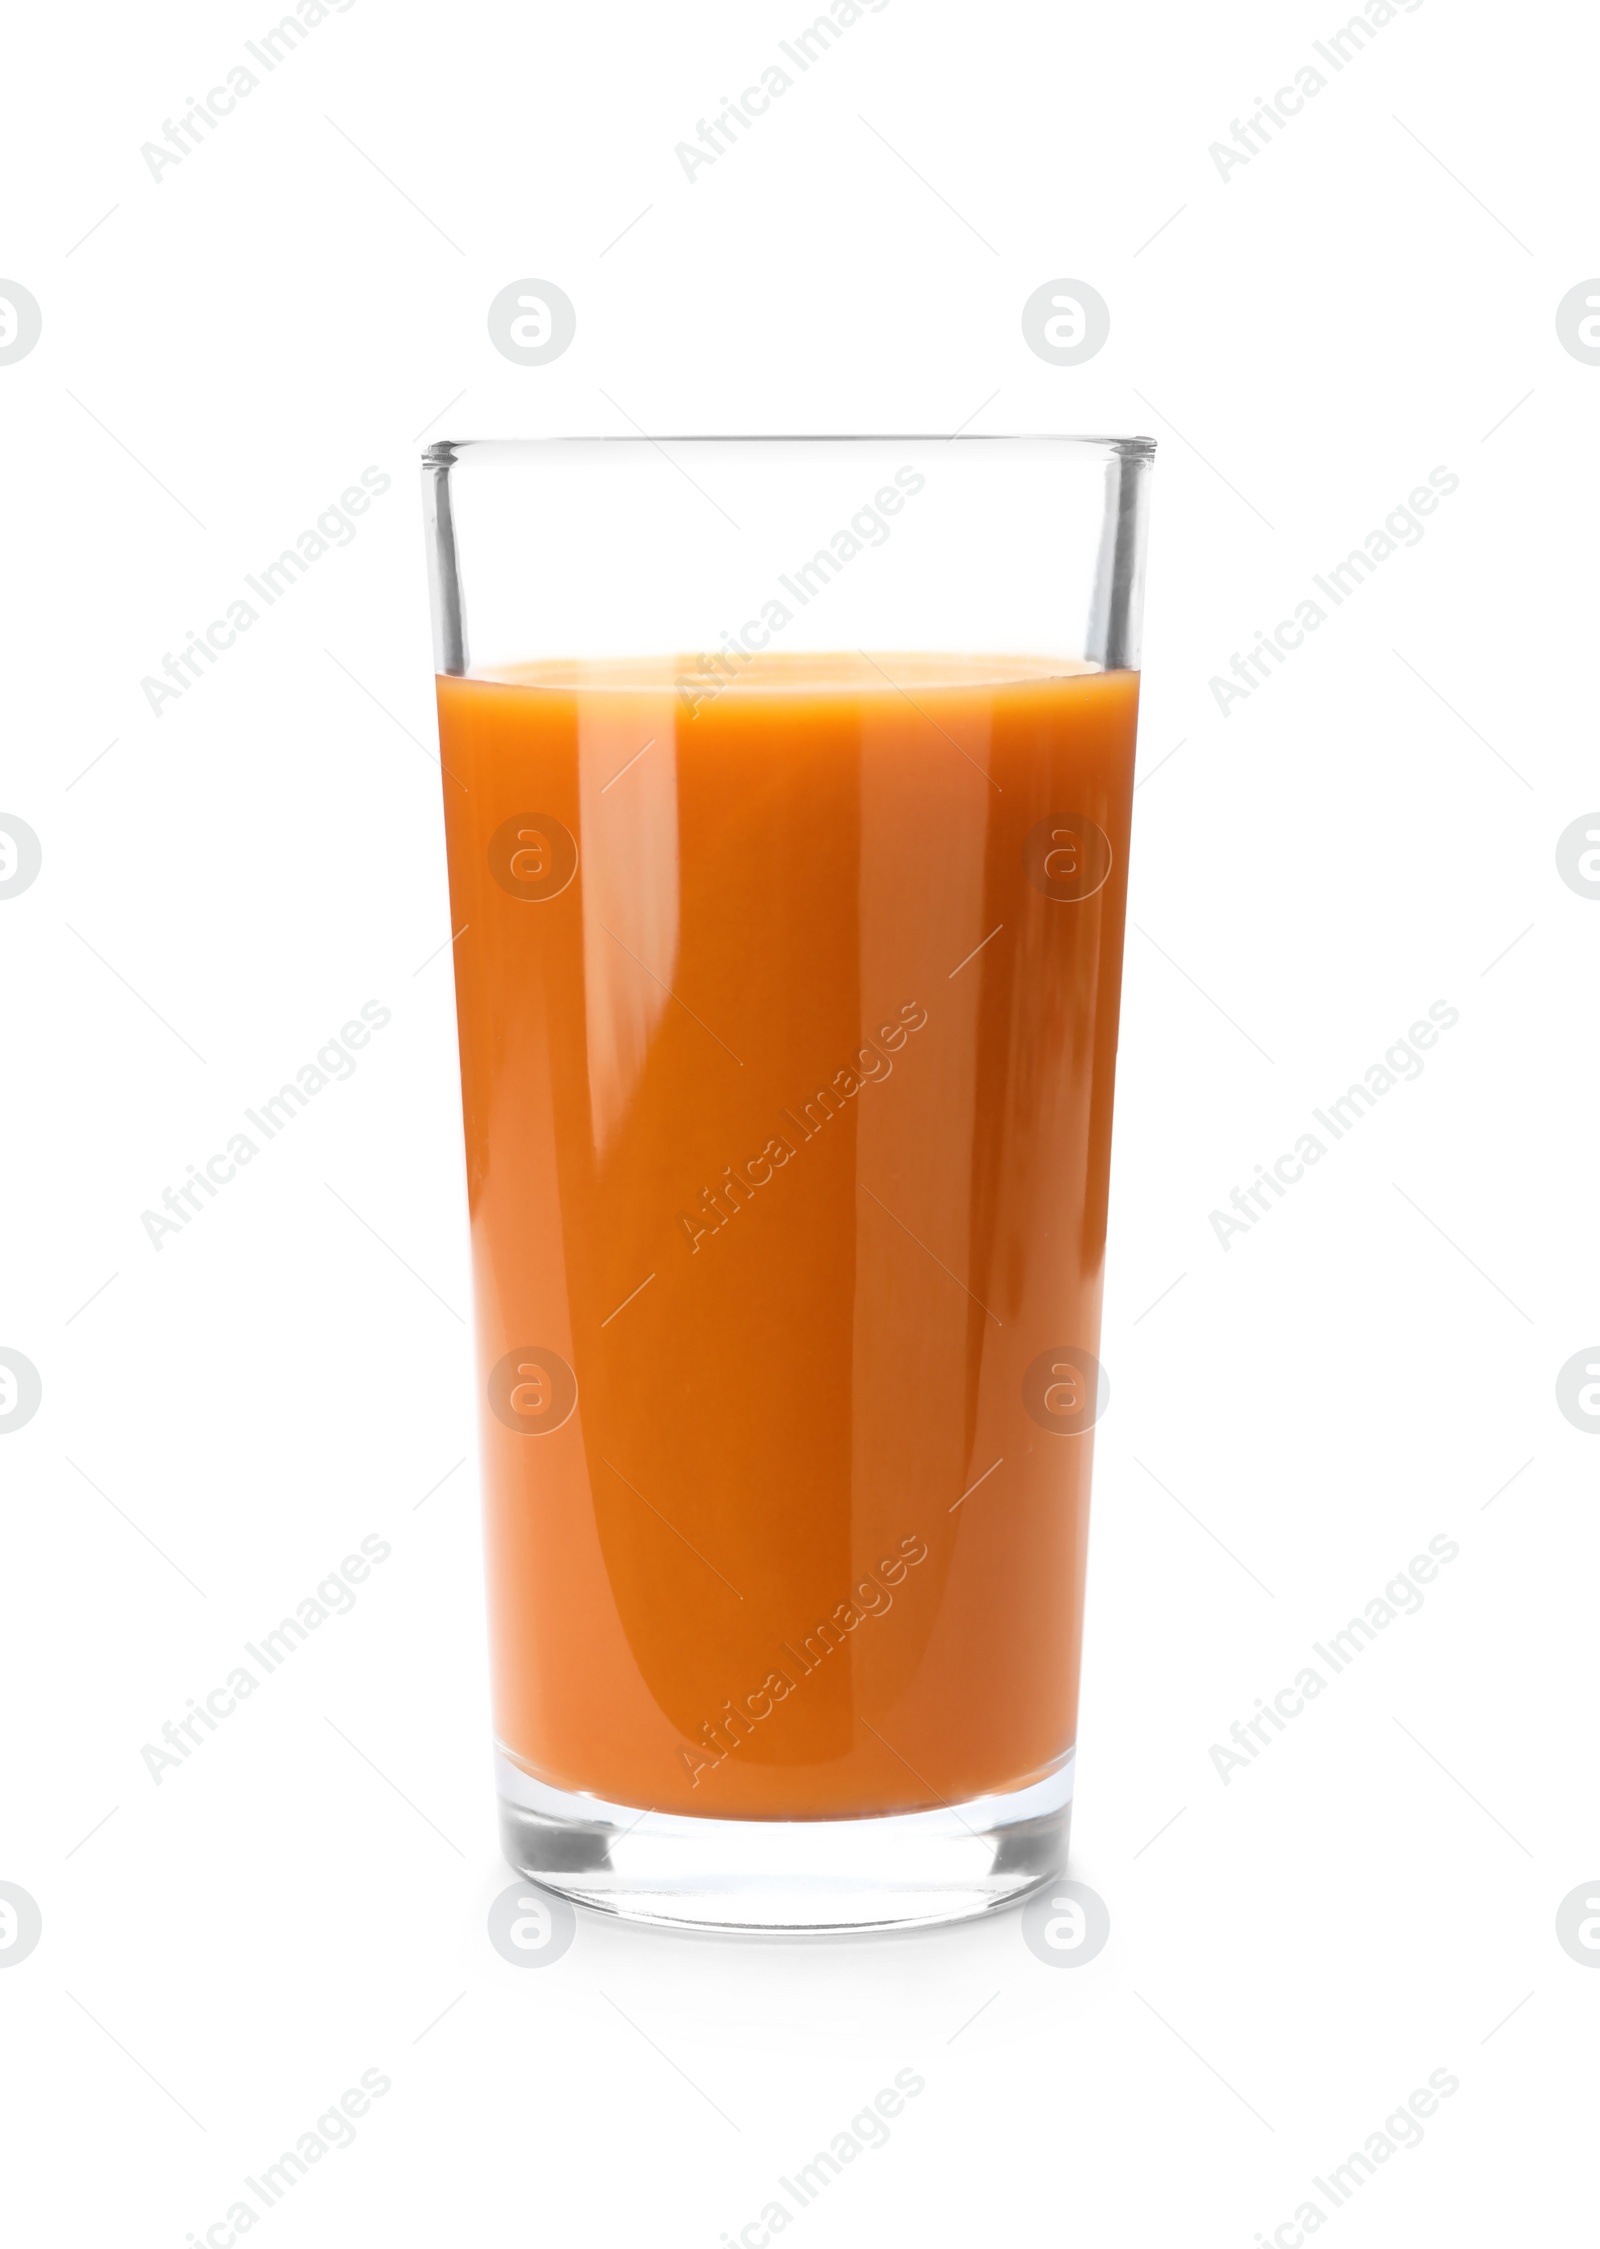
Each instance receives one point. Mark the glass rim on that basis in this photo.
(444, 452)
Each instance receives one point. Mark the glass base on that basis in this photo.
(901, 1871)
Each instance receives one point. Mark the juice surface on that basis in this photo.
(788, 1015)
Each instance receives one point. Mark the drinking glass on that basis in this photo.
(787, 786)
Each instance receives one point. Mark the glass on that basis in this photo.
(787, 788)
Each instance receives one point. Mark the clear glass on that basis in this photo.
(787, 789)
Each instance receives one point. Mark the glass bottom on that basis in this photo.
(901, 1871)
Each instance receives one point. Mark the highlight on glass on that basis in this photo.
(787, 789)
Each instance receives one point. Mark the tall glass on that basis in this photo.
(787, 786)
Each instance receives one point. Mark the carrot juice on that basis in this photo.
(787, 1002)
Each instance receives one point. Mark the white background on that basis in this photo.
(1374, 1898)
